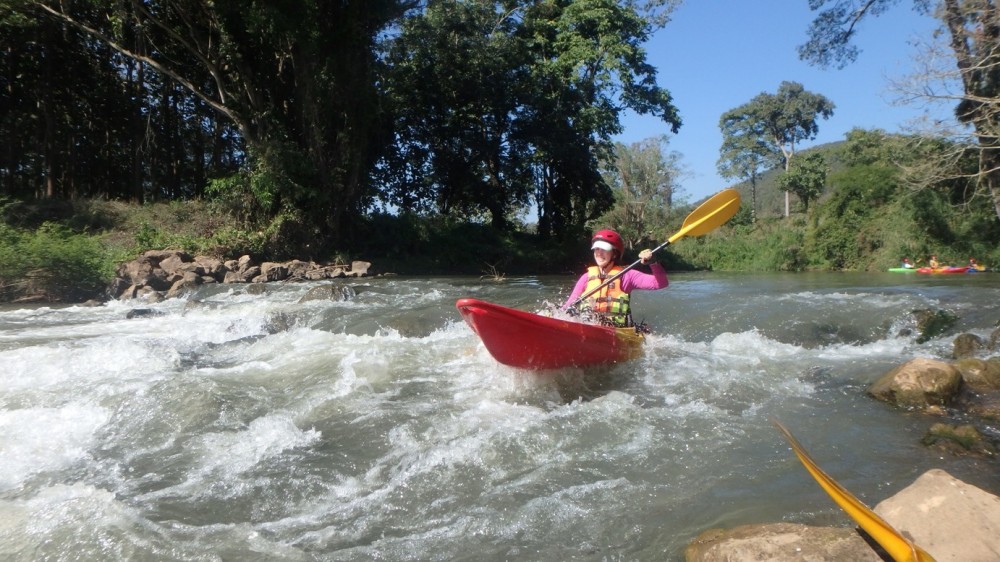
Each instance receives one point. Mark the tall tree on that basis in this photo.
(782, 120)
(454, 80)
(498, 100)
(644, 178)
(744, 153)
(806, 179)
(588, 66)
(294, 77)
(972, 29)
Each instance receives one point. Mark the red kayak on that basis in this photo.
(530, 341)
(943, 270)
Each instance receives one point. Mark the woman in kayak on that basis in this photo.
(611, 302)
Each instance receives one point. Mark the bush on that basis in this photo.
(52, 263)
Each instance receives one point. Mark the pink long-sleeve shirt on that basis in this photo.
(632, 280)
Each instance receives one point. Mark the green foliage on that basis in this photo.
(769, 245)
(475, 151)
(644, 183)
(806, 178)
(52, 263)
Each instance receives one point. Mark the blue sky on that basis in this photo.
(716, 55)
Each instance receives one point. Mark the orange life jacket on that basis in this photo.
(611, 302)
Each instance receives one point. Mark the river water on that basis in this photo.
(237, 425)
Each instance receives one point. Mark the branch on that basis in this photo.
(218, 105)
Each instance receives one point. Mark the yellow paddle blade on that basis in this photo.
(710, 215)
(899, 547)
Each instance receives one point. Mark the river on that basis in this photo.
(241, 424)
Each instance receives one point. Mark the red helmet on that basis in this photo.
(610, 237)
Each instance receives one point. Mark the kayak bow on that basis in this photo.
(530, 341)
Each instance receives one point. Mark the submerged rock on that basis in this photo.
(932, 324)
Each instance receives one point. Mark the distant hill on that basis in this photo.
(771, 199)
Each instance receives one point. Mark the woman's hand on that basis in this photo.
(645, 256)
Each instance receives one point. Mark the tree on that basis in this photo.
(644, 180)
(495, 102)
(296, 79)
(806, 179)
(779, 121)
(453, 79)
(744, 153)
(972, 31)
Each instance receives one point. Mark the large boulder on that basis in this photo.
(980, 375)
(951, 520)
(919, 383)
(780, 542)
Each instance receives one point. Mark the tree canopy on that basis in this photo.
(300, 117)
(972, 32)
(499, 103)
(775, 122)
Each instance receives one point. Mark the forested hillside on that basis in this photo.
(870, 214)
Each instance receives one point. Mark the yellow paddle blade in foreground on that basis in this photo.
(899, 547)
(710, 215)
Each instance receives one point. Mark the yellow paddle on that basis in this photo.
(899, 547)
(707, 217)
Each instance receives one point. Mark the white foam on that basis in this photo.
(36, 440)
(229, 454)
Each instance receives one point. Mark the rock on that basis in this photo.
(951, 520)
(117, 287)
(298, 269)
(360, 268)
(186, 284)
(172, 273)
(967, 345)
(257, 289)
(962, 439)
(272, 271)
(250, 273)
(780, 542)
(931, 323)
(328, 292)
(142, 313)
(980, 375)
(918, 383)
(211, 267)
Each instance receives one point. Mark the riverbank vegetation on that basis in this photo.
(471, 137)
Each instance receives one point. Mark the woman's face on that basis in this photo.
(603, 258)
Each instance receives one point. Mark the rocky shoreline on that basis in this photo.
(950, 519)
(159, 274)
